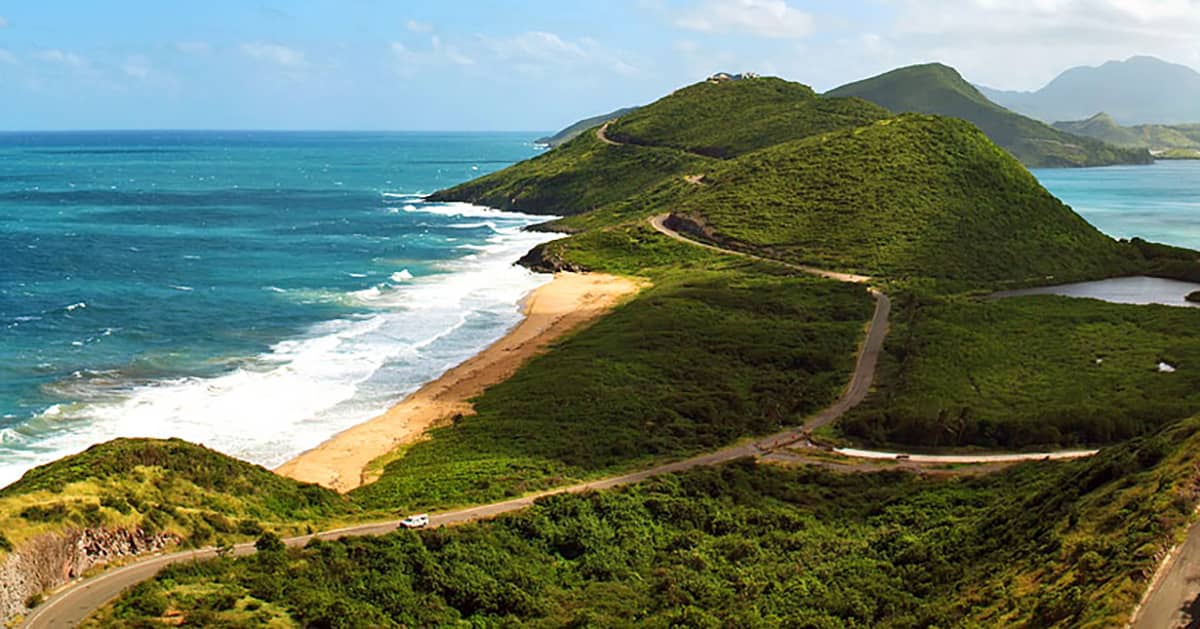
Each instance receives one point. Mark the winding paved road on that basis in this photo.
(77, 600)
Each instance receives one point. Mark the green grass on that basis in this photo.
(914, 196)
(162, 486)
(1177, 140)
(729, 119)
(938, 89)
(578, 177)
(1043, 544)
(701, 359)
(1029, 371)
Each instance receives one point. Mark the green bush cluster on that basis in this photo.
(698, 361)
(748, 545)
(1029, 371)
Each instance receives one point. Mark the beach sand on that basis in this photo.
(569, 301)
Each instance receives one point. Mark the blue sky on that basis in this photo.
(504, 64)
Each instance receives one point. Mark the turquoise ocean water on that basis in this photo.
(255, 292)
(1159, 202)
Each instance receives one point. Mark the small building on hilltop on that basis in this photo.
(722, 77)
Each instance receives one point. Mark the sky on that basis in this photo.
(516, 65)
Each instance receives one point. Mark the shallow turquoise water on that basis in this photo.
(1159, 203)
(256, 292)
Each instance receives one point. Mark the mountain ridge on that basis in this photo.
(936, 88)
(1138, 90)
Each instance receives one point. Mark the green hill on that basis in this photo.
(912, 196)
(577, 129)
(735, 117)
(171, 486)
(1162, 140)
(745, 545)
(678, 135)
(939, 89)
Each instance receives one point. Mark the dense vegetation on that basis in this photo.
(736, 117)
(161, 485)
(575, 130)
(1042, 544)
(702, 358)
(1182, 138)
(910, 196)
(575, 178)
(673, 137)
(1029, 371)
(939, 89)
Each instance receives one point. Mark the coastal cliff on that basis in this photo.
(51, 560)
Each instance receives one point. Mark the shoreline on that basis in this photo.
(567, 302)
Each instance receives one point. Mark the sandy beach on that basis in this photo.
(569, 301)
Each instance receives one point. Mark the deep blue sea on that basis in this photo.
(255, 292)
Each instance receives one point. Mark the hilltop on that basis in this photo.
(683, 133)
(939, 89)
(910, 196)
(1138, 90)
(1161, 140)
(730, 118)
(573, 131)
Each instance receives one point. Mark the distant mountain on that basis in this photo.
(938, 89)
(1179, 141)
(1139, 90)
(573, 131)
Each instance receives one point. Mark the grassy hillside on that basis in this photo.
(736, 117)
(575, 130)
(1030, 371)
(1044, 544)
(1163, 140)
(715, 351)
(675, 136)
(578, 177)
(172, 486)
(939, 89)
(911, 196)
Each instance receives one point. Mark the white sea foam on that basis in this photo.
(76, 306)
(303, 390)
(402, 275)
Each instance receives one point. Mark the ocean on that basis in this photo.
(254, 292)
(1159, 203)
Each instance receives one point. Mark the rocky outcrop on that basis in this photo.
(546, 259)
(51, 560)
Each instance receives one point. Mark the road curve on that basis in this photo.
(1170, 600)
(76, 601)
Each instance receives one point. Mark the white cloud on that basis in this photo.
(761, 18)
(193, 47)
(419, 27)
(136, 66)
(61, 57)
(536, 47)
(3, 22)
(7, 57)
(1037, 39)
(275, 53)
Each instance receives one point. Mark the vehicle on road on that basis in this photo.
(419, 521)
